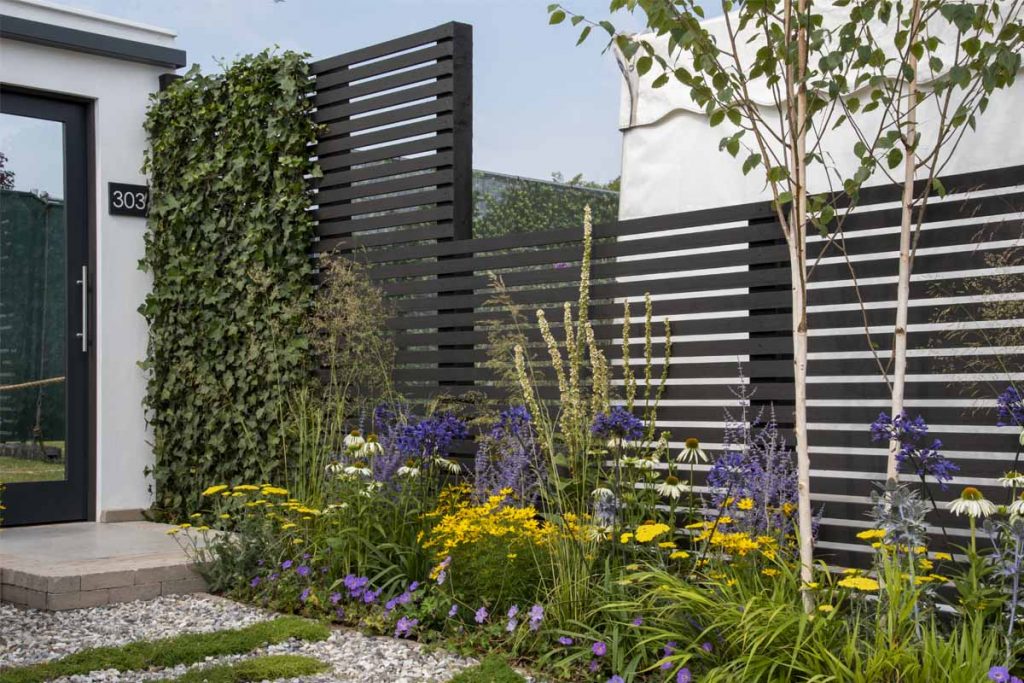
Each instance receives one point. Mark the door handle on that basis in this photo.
(84, 334)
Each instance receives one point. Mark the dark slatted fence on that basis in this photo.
(396, 150)
(720, 276)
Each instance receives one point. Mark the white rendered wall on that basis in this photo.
(119, 93)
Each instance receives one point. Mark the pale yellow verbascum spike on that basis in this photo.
(524, 382)
(556, 355)
(628, 377)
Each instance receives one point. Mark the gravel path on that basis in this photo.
(29, 636)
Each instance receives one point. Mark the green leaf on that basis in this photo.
(894, 157)
(716, 117)
(938, 187)
(643, 65)
(557, 17)
(583, 35)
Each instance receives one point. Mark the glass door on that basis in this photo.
(44, 283)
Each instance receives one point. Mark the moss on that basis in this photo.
(166, 652)
(266, 668)
(491, 670)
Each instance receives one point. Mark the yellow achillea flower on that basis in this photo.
(202, 528)
(172, 532)
(812, 585)
(186, 525)
(679, 555)
(871, 534)
(943, 556)
(745, 504)
(698, 525)
(195, 515)
(225, 516)
(289, 525)
(925, 564)
(861, 583)
(626, 537)
(246, 487)
(667, 544)
(273, 491)
(648, 532)
(215, 489)
(826, 608)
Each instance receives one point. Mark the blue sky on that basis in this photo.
(541, 104)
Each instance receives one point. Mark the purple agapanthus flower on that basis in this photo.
(430, 436)
(1010, 405)
(926, 459)
(600, 648)
(481, 615)
(565, 640)
(536, 615)
(404, 627)
(617, 423)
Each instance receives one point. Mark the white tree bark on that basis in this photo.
(899, 345)
(798, 276)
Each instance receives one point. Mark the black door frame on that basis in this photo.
(71, 499)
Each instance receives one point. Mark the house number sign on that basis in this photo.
(127, 200)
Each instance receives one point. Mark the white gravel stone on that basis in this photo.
(30, 636)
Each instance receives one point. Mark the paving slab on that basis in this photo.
(86, 564)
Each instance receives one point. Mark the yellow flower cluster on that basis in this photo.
(861, 583)
(650, 530)
(466, 524)
(739, 542)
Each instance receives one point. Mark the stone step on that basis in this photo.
(88, 564)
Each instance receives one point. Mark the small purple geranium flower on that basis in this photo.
(684, 676)
(565, 640)
(453, 611)
(404, 627)
(600, 649)
(481, 615)
(304, 596)
(616, 679)
(335, 598)
(255, 582)
(707, 647)
(639, 621)
(287, 564)
(302, 570)
(999, 674)
(536, 616)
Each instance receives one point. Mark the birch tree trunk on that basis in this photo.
(798, 276)
(899, 344)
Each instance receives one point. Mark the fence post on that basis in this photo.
(462, 186)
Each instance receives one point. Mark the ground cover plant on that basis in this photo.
(264, 668)
(574, 543)
(188, 648)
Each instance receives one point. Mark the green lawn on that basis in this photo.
(19, 469)
(187, 648)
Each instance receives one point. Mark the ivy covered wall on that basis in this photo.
(227, 247)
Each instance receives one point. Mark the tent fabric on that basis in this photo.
(670, 156)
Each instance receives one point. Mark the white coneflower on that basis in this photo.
(409, 469)
(354, 440)
(671, 487)
(358, 468)
(692, 452)
(1017, 506)
(1012, 479)
(334, 468)
(372, 447)
(449, 465)
(646, 463)
(972, 504)
(371, 488)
